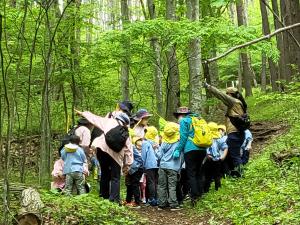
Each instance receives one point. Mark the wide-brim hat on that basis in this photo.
(135, 139)
(171, 133)
(83, 121)
(141, 114)
(71, 147)
(182, 111)
(222, 127)
(151, 134)
(213, 127)
(231, 90)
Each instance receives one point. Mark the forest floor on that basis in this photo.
(263, 133)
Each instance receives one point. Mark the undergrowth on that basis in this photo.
(268, 193)
(85, 209)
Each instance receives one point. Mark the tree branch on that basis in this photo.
(251, 42)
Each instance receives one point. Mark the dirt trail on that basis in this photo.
(263, 132)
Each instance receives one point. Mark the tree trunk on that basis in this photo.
(173, 78)
(266, 31)
(263, 72)
(293, 10)
(158, 71)
(194, 60)
(287, 57)
(125, 62)
(246, 72)
(283, 69)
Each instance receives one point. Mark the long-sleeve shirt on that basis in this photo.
(248, 138)
(137, 162)
(234, 107)
(217, 149)
(73, 161)
(125, 156)
(57, 172)
(165, 156)
(84, 134)
(148, 155)
(187, 133)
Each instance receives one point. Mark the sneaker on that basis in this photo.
(161, 208)
(133, 205)
(177, 208)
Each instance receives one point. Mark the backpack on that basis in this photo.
(66, 139)
(241, 122)
(116, 137)
(202, 135)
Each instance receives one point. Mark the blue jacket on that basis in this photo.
(73, 161)
(148, 155)
(165, 155)
(137, 161)
(187, 133)
(248, 137)
(217, 148)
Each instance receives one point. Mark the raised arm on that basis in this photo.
(97, 121)
(226, 99)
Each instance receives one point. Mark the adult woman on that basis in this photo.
(236, 106)
(193, 155)
(111, 161)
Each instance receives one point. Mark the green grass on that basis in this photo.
(268, 193)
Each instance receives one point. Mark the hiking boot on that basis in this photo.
(176, 208)
(133, 205)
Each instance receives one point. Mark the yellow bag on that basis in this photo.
(203, 137)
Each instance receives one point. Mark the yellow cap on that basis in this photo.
(151, 133)
(135, 139)
(222, 127)
(214, 130)
(171, 133)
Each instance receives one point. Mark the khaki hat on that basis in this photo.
(171, 133)
(231, 90)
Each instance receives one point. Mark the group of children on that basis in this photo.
(158, 175)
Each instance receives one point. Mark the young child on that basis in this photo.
(168, 168)
(74, 159)
(141, 122)
(246, 147)
(150, 163)
(134, 175)
(59, 180)
(215, 155)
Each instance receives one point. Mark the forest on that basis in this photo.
(61, 55)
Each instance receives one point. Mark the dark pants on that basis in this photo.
(245, 157)
(110, 177)
(195, 173)
(182, 188)
(212, 173)
(151, 185)
(234, 142)
(132, 182)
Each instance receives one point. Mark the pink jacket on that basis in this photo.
(59, 180)
(85, 136)
(124, 157)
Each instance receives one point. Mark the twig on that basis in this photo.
(251, 42)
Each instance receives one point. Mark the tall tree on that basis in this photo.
(293, 14)
(158, 71)
(266, 31)
(283, 69)
(173, 78)
(194, 59)
(245, 60)
(125, 60)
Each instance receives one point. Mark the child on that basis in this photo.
(246, 147)
(150, 163)
(215, 155)
(141, 119)
(59, 179)
(74, 159)
(168, 168)
(134, 175)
